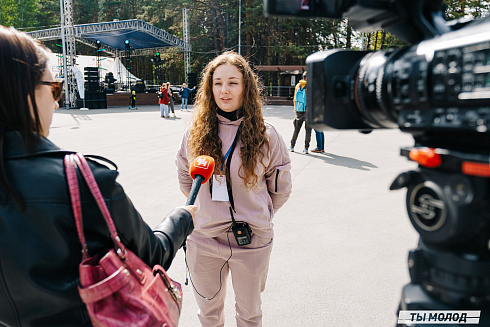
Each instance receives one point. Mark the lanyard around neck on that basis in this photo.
(232, 146)
(229, 154)
(227, 159)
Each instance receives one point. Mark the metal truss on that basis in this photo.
(78, 32)
(69, 52)
(46, 35)
(132, 24)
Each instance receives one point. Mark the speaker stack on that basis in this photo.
(139, 87)
(95, 97)
(110, 80)
(191, 82)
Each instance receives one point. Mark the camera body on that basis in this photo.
(438, 87)
(438, 90)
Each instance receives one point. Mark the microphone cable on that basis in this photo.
(188, 272)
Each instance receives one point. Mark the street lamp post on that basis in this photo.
(239, 26)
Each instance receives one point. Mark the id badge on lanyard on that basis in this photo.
(220, 189)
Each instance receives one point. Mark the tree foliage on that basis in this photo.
(466, 8)
(214, 28)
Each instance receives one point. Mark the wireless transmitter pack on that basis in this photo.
(241, 230)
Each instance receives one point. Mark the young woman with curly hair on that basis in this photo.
(251, 182)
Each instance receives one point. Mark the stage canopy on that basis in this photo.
(143, 38)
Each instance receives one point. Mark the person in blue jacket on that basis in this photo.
(185, 93)
(299, 102)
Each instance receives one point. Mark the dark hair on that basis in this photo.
(22, 63)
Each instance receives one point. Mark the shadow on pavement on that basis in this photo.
(333, 159)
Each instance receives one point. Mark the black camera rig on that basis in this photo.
(438, 90)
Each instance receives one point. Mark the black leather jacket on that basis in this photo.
(39, 247)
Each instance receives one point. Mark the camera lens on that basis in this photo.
(370, 90)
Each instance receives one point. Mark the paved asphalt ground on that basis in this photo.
(341, 241)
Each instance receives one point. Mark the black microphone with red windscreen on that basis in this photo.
(201, 170)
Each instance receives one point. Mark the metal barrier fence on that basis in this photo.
(279, 91)
(270, 91)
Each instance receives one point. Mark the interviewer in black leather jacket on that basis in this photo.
(39, 248)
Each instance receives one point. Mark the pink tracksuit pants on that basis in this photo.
(248, 265)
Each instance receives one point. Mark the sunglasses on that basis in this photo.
(56, 88)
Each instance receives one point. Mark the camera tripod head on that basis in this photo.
(447, 203)
(447, 199)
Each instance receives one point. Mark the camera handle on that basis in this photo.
(428, 17)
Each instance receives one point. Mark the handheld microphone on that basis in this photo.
(201, 169)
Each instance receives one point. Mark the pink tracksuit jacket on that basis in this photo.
(255, 206)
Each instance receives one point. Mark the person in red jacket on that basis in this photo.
(163, 101)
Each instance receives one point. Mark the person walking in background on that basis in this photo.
(251, 182)
(41, 251)
(320, 142)
(299, 102)
(171, 98)
(163, 101)
(185, 93)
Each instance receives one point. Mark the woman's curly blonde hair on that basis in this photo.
(204, 139)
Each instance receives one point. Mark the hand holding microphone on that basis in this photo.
(201, 170)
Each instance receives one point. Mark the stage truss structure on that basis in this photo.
(157, 40)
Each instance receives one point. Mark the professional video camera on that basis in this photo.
(437, 89)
